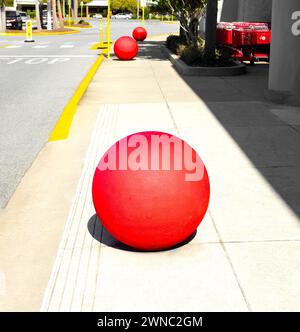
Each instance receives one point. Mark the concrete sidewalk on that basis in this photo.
(245, 256)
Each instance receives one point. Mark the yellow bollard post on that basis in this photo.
(108, 29)
(29, 32)
(81, 11)
(69, 14)
(143, 5)
(101, 45)
(143, 17)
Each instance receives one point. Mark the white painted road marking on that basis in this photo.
(55, 60)
(20, 43)
(13, 46)
(14, 61)
(66, 46)
(36, 60)
(49, 56)
(33, 60)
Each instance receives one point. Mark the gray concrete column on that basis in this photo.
(284, 77)
(255, 10)
(246, 10)
(228, 10)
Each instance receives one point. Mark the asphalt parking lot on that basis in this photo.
(37, 81)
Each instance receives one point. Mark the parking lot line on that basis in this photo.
(13, 46)
(49, 56)
(66, 46)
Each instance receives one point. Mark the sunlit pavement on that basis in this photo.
(38, 80)
(245, 254)
(245, 250)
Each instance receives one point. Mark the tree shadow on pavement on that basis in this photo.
(272, 145)
(270, 142)
(152, 50)
(100, 234)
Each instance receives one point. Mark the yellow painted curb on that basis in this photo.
(170, 22)
(83, 27)
(163, 35)
(96, 46)
(62, 128)
(13, 34)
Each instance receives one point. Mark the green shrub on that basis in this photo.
(174, 41)
(180, 49)
(83, 22)
(201, 43)
(191, 55)
(194, 55)
(224, 53)
(30, 13)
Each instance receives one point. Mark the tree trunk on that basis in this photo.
(55, 25)
(181, 31)
(87, 15)
(61, 21)
(211, 30)
(37, 14)
(75, 11)
(2, 16)
(64, 8)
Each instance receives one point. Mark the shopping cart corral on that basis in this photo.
(245, 41)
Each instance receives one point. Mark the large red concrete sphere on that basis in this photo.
(149, 193)
(126, 48)
(139, 34)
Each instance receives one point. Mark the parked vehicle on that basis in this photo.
(13, 20)
(24, 17)
(98, 16)
(124, 16)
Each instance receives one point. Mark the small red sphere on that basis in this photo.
(151, 190)
(126, 48)
(139, 34)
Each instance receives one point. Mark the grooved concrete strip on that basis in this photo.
(77, 259)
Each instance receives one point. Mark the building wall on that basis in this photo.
(285, 48)
(228, 10)
(245, 10)
(242, 10)
(255, 10)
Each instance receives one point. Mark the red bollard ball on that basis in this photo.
(151, 191)
(126, 48)
(139, 34)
